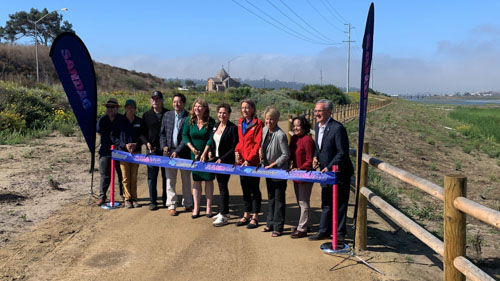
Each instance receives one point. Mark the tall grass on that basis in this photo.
(482, 121)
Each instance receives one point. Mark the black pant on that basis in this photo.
(325, 224)
(251, 194)
(277, 204)
(222, 180)
(153, 180)
(105, 173)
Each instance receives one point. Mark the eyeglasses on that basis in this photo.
(321, 110)
(111, 106)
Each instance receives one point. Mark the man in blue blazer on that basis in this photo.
(332, 148)
(173, 146)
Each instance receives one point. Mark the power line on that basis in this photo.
(331, 6)
(321, 34)
(298, 24)
(297, 35)
(321, 15)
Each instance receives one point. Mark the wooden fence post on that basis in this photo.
(361, 231)
(454, 226)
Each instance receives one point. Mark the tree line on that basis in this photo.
(22, 24)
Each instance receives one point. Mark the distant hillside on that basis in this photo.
(260, 84)
(18, 64)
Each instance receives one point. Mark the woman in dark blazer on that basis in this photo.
(224, 140)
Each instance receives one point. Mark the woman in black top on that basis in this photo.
(225, 138)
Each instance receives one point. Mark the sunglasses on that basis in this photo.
(110, 106)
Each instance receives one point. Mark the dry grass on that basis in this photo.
(17, 64)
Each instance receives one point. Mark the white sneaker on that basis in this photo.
(217, 216)
(221, 220)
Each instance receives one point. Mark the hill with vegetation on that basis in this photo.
(18, 64)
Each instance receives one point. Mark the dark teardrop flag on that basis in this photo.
(75, 69)
(365, 79)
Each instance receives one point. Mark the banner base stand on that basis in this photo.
(341, 248)
(108, 206)
(327, 249)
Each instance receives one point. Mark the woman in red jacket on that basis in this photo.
(302, 150)
(247, 154)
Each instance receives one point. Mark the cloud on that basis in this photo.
(471, 64)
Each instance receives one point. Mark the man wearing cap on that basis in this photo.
(126, 135)
(151, 121)
(173, 146)
(104, 126)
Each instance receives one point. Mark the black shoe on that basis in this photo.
(253, 225)
(245, 221)
(196, 216)
(319, 236)
(153, 207)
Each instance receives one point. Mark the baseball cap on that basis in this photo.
(131, 103)
(157, 94)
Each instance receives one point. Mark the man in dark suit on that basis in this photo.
(173, 146)
(332, 148)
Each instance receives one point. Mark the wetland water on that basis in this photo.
(458, 101)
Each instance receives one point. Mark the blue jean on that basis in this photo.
(152, 183)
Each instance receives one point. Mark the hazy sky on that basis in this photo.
(419, 46)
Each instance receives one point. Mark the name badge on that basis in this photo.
(137, 125)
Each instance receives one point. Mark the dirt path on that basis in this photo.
(84, 242)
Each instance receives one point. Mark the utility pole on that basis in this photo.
(371, 75)
(348, 52)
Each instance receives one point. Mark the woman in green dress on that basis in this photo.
(197, 135)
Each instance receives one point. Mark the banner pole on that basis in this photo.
(112, 204)
(92, 163)
(112, 181)
(335, 191)
(333, 247)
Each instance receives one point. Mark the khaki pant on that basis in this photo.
(187, 197)
(303, 195)
(129, 173)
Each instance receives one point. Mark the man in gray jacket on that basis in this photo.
(173, 146)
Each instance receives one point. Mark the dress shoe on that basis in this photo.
(100, 201)
(172, 212)
(153, 207)
(319, 236)
(188, 209)
(128, 204)
(195, 216)
(298, 234)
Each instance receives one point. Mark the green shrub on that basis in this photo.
(467, 149)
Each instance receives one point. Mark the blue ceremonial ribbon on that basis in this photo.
(220, 168)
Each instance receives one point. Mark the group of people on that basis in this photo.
(197, 136)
